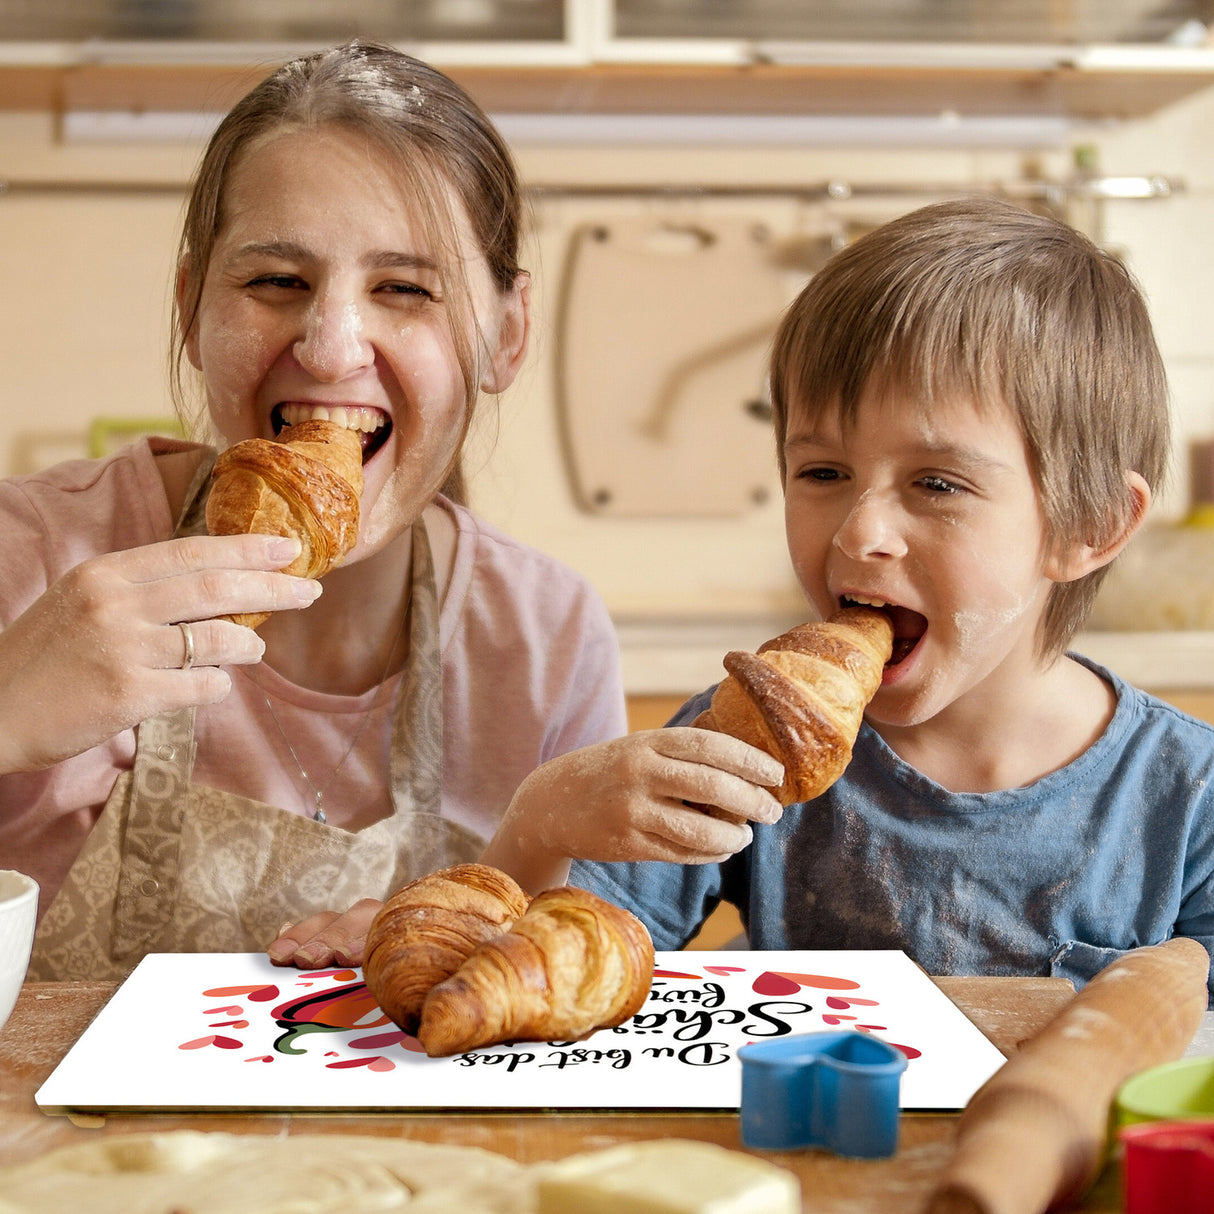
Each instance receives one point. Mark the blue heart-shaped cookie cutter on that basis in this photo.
(834, 1090)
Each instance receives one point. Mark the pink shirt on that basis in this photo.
(529, 656)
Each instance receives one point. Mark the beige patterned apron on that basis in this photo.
(171, 866)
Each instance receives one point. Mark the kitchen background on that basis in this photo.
(691, 162)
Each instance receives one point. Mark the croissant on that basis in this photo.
(424, 932)
(572, 964)
(802, 697)
(308, 485)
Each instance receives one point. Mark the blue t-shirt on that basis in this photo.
(1059, 878)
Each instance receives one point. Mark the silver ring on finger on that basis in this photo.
(187, 636)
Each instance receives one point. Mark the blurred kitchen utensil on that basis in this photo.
(1176, 1091)
(661, 354)
(1035, 1135)
(1168, 1166)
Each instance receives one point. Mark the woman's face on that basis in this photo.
(322, 298)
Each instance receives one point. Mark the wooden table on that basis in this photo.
(50, 1016)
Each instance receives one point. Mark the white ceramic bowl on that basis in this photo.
(18, 909)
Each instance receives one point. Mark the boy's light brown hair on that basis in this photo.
(980, 300)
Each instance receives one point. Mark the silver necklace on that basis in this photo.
(318, 793)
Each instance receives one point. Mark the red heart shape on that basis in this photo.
(262, 1058)
(724, 969)
(224, 1043)
(377, 1041)
(768, 983)
(372, 1064)
(838, 1001)
(258, 994)
(836, 1019)
(822, 981)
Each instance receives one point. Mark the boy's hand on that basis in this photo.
(682, 794)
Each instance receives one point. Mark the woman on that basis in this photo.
(178, 782)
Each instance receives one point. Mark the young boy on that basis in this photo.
(971, 418)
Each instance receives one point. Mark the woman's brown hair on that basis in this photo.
(442, 140)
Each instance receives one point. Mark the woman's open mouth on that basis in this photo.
(909, 626)
(373, 425)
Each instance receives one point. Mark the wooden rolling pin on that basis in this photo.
(1034, 1136)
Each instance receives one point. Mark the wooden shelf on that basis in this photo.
(1067, 91)
(136, 88)
(843, 90)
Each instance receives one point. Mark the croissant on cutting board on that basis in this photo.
(426, 930)
(572, 964)
(306, 485)
(555, 970)
(801, 698)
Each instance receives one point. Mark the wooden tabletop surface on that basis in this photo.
(50, 1016)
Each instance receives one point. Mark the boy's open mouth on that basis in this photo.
(909, 626)
(373, 425)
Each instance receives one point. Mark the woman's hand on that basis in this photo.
(102, 649)
(682, 794)
(327, 938)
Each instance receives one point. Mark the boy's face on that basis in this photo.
(934, 512)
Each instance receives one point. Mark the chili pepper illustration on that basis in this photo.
(339, 1009)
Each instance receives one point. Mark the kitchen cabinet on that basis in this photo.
(1025, 22)
(622, 25)
(1115, 60)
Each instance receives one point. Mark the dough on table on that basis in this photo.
(192, 1172)
(196, 1172)
(666, 1176)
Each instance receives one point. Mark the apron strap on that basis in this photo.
(417, 729)
(193, 519)
(150, 855)
(151, 848)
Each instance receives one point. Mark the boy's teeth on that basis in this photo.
(863, 601)
(355, 417)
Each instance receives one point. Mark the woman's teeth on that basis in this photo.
(349, 417)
